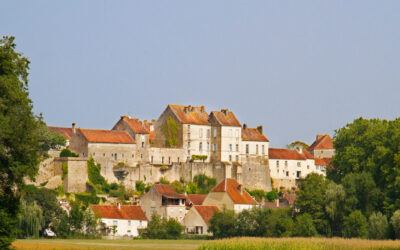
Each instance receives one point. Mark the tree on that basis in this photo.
(246, 223)
(296, 144)
(304, 226)
(378, 226)
(395, 221)
(223, 224)
(19, 138)
(311, 200)
(372, 146)
(161, 228)
(30, 220)
(355, 225)
(278, 223)
(335, 200)
(47, 138)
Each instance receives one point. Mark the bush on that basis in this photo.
(355, 225)
(163, 181)
(178, 186)
(304, 226)
(223, 224)
(395, 221)
(96, 179)
(204, 183)
(161, 228)
(87, 198)
(198, 157)
(271, 195)
(68, 153)
(378, 226)
(279, 223)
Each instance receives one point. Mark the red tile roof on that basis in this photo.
(322, 161)
(66, 132)
(232, 188)
(322, 142)
(206, 212)
(307, 154)
(252, 134)
(126, 212)
(106, 136)
(190, 115)
(287, 154)
(137, 126)
(196, 199)
(226, 118)
(168, 191)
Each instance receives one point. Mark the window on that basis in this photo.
(162, 159)
(247, 148)
(178, 159)
(201, 133)
(142, 137)
(298, 164)
(133, 156)
(208, 146)
(285, 163)
(94, 154)
(230, 132)
(200, 146)
(237, 158)
(230, 147)
(151, 159)
(298, 174)
(230, 157)
(263, 149)
(129, 223)
(140, 223)
(104, 154)
(277, 163)
(142, 144)
(141, 156)
(215, 132)
(257, 149)
(169, 160)
(237, 147)
(214, 147)
(188, 126)
(189, 144)
(208, 133)
(115, 156)
(188, 135)
(237, 132)
(115, 223)
(308, 166)
(287, 173)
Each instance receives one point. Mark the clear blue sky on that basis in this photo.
(297, 67)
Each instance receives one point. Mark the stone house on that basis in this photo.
(124, 219)
(197, 220)
(287, 166)
(231, 195)
(322, 147)
(67, 133)
(226, 136)
(254, 143)
(164, 200)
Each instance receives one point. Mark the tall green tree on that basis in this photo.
(372, 146)
(30, 220)
(335, 199)
(19, 140)
(355, 225)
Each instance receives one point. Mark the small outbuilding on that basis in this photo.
(197, 220)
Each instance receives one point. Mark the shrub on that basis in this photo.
(87, 198)
(68, 153)
(178, 186)
(161, 228)
(258, 194)
(395, 221)
(204, 183)
(163, 180)
(95, 177)
(223, 224)
(378, 226)
(271, 195)
(355, 225)
(304, 226)
(198, 157)
(64, 168)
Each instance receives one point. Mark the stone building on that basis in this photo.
(231, 195)
(197, 220)
(322, 147)
(67, 133)
(254, 143)
(164, 200)
(126, 219)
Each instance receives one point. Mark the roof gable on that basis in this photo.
(225, 118)
(136, 125)
(287, 154)
(206, 212)
(322, 142)
(252, 134)
(190, 115)
(168, 191)
(126, 212)
(67, 133)
(106, 136)
(232, 188)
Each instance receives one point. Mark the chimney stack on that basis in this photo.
(202, 108)
(260, 129)
(244, 126)
(319, 136)
(119, 205)
(185, 109)
(73, 128)
(225, 111)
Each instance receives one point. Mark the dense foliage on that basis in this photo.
(67, 153)
(162, 228)
(259, 194)
(201, 184)
(171, 129)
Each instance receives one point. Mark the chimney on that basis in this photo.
(225, 111)
(202, 108)
(153, 121)
(73, 128)
(260, 129)
(244, 126)
(185, 109)
(119, 205)
(240, 189)
(319, 136)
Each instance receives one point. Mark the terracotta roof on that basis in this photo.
(106, 136)
(226, 118)
(291, 198)
(196, 199)
(168, 191)
(66, 132)
(151, 137)
(190, 115)
(322, 161)
(232, 188)
(322, 142)
(308, 155)
(206, 212)
(287, 154)
(126, 212)
(252, 134)
(137, 126)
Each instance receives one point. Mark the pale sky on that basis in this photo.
(298, 68)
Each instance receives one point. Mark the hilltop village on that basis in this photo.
(184, 142)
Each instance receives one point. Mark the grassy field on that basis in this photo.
(228, 244)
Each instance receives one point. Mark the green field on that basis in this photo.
(231, 244)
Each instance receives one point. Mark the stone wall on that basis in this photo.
(76, 179)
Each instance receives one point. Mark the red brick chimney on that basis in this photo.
(73, 128)
(260, 129)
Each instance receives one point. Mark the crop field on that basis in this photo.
(226, 244)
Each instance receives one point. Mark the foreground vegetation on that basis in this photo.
(298, 243)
